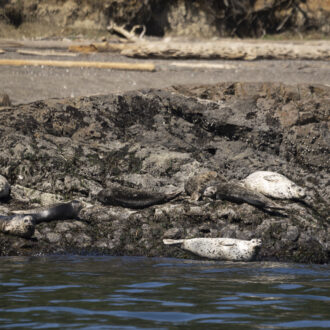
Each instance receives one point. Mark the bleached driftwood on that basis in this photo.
(72, 64)
(44, 52)
(129, 35)
(203, 65)
(229, 49)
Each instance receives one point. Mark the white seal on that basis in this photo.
(219, 248)
(274, 185)
(4, 187)
(18, 225)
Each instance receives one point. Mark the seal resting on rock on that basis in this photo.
(274, 185)
(237, 193)
(4, 187)
(118, 195)
(196, 184)
(18, 225)
(59, 211)
(219, 248)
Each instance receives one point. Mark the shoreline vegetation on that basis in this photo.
(265, 19)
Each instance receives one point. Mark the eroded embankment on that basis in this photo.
(157, 139)
(201, 19)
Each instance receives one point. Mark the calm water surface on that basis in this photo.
(73, 292)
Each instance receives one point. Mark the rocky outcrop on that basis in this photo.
(155, 140)
(199, 18)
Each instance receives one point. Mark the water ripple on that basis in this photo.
(141, 293)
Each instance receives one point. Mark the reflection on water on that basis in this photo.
(140, 293)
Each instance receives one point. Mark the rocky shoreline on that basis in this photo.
(65, 149)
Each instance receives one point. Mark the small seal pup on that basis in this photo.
(4, 187)
(59, 211)
(237, 193)
(18, 225)
(4, 100)
(274, 185)
(196, 184)
(118, 195)
(219, 248)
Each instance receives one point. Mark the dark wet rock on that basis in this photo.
(154, 140)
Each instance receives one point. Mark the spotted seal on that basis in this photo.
(196, 184)
(274, 185)
(118, 195)
(4, 187)
(219, 248)
(58, 211)
(4, 100)
(18, 225)
(236, 192)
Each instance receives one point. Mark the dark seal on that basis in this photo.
(237, 193)
(59, 211)
(118, 195)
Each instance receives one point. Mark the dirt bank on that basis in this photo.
(154, 140)
(193, 19)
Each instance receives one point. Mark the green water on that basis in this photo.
(72, 292)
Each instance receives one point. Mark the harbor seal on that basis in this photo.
(118, 195)
(59, 211)
(274, 185)
(4, 187)
(219, 248)
(4, 100)
(196, 184)
(18, 225)
(237, 193)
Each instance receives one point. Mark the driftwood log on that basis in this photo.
(230, 50)
(71, 64)
(221, 49)
(44, 52)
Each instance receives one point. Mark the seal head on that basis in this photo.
(196, 184)
(18, 225)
